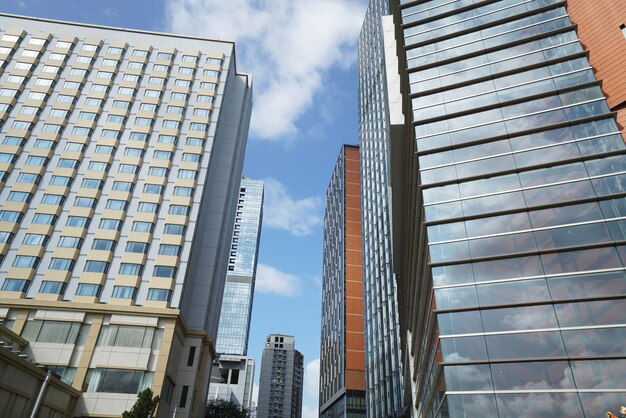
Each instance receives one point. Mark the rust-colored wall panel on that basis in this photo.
(355, 341)
(354, 287)
(354, 272)
(355, 360)
(354, 322)
(355, 380)
(353, 228)
(354, 306)
(599, 30)
(353, 241)
(353, 257)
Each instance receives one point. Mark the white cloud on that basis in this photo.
(281, 211)
(287, 45)
(312, 382)
(271, 280)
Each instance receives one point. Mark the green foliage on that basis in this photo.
(221, 408)
(145, 405)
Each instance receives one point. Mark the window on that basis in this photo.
(9, 38)
(112, 224)
(152, 188)
(107, 75)
(65, 264)
(117, 381)
(20, 197)
(182, 83)
(158, 171)
(194, 126)
(58, 332)
(208, 85)
(159, 294)
(203, 98)
(92, 266)
(178, 110)
(99, 88)
(26, 261)
(52, 287)
(148, 207)
(116, 204)
(139, 136)
(124, 292)
(64, 45)
(201, 112)
(183, 191)
(92, 101)
(89, 47)
(49, 127)
(23, 66)
(128, 168)
(68, 163)
(131, 77)
(75, 147)
(121, 104)
(77, 221)
(105, 149)
(131, 269)
(81, 131)
(69, 242)
(165, 56)
(92, 183)
(214, 61)
(211, 73)
(187, 174)
(141, 226)
(126, 90)
(98, 166)
(136, 247)
(124, 186)
(44, 144)
(9, 93)
(152, 93)
(8, 158)
(190, 58)
(6, 237)
(10, 216)
(195, 142)
(34, 95)
(15, 285)
(169, 249)
(178, 96)
(191, 157)
(167, 139)
(179, 210)
(35, 239)
(61, 181)
(22, 125)
(86, 289)
(148, 107)
(185, 70)
(30, 54)
(110, 62)
(109, 133)
(52, 199)
(164, 271)
(103, 244)
(17, 79)
(163, 155)
(44, 82)
(84, 202)
(140, 53)
(115, 50)
(28, 178)
(73, 85)
(44, 219)
(84, 60)
(36, 160)
(79, 72)
(135, 65)
(14, 140)
(171, 124)
(157, 80)
(174, 229)
(143, 121)
(134, 152)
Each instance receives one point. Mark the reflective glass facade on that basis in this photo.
(234, 326)
(515, 299)
(382, 345)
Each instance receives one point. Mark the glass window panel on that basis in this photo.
(463, 349)
(532, 405)
(600, 374)
(602, 401)
(457, 297)
(559, 193)
(526, 345)
(470, 406)
(449, 252)
(595, 342)
(574, 261)
(601, 312)
(532, 376)
(468, 377)
(573, 236)
(455, 274)
(499, 202)
(513, 319)
(508, 244)
(513, 292)
(459, 323)
(588, 285)
(498, 224)
(565, 215)
(508, 268)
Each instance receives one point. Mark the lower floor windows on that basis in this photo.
(58, 332)
(15, 285)
(52, 287)
(124, 292)
(117, 381)
(87, 289)
(159, 294)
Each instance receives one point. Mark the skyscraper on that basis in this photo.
(342, 362)
(508, 202)
(233, 372)
(382, 338)
(282, 379)
(122, 153)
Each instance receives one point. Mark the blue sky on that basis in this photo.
(302, 55)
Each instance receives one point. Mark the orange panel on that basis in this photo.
(355, 380)
(354, 272)
(354, 288)
(353, 242)
(353, 228)
(355, 341)
(355, 360)
(354, 323)
(354, 306)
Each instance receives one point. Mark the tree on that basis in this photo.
(144, 406)
(221, 408)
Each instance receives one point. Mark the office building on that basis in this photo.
(282, 378)
(384, 385)
(508, 210)
(233, 373)
(342, 358)
(122, 153)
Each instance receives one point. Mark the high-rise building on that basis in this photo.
(282, 379)
(382, 338)
(121, 158)
(342, 359)
(508, 209)
(233, 373)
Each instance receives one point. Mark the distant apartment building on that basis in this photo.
(282, 379)
(233, 373)
(506, 166)
(121, 154)
(342, 358)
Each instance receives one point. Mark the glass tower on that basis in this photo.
(234, 326)
(515, 296)
(382, 344)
